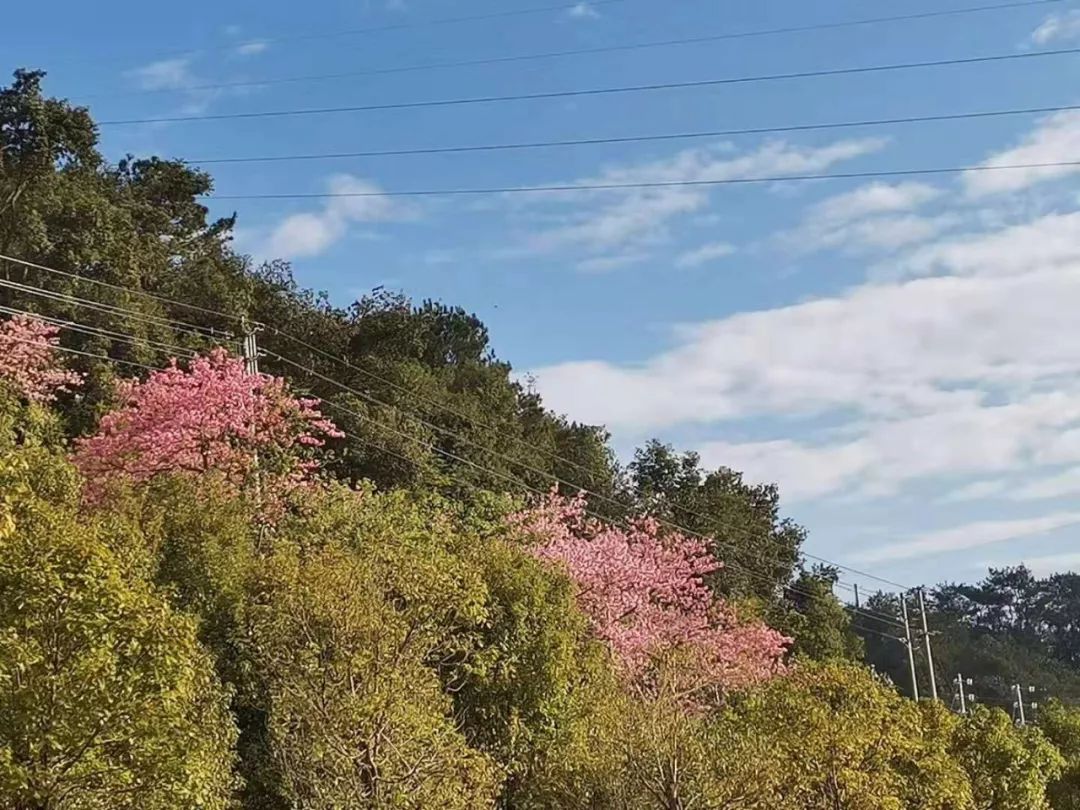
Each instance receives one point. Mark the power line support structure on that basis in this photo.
(960, 693)
(1019, 717)
(910, 646)
(929, 649)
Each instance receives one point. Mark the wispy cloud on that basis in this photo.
(165, 74)
(705, 254)
(583, 11)
(630, 220)
(252, 48)
(1055, 139)
(313, 233)
(971, 535)
(877, 216)
(1061, 26)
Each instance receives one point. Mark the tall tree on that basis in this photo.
(107, 701)
(760, 548)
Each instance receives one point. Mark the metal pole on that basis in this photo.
(856, 587)
(929, 651)
(963, 697)
(910, 646)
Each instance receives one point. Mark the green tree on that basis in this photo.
(833, 735)
(820, 624)
(1009, 767)
(759, 548)
(355, 717)
(107, 699)
(1061, 725)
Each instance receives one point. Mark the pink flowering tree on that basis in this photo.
(29, 362)
(644, 594)
(211, 417)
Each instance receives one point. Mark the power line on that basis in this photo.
(192, 330)
(601, 91)
(554, 456)
(117, 287)
(551, 476)
(671, 136)
(347, 364)
(518, 482)
(625, 47)
(727, 181)
(98, 331)
(378, 29)
(85, 354)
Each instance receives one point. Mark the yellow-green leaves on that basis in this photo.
(107, 701)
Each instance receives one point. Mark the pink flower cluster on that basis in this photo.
(213, 416)
(645, 595)
(28, 359)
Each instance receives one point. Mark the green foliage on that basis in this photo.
(813, 616)
(106, 698)
(832, 735)
(1061, 725)
(355, 718)
(1008, 767)
(758, 548)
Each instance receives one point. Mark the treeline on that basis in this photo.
(218, 592)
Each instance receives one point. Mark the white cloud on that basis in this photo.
(604, 264)
(705, 254)
(583, 11)
(1065, 25)
(875, 216)
(875, 198)
(1049, 242)
(252, 48)
(976, 491)
(312, 233)
(976, 439)
(888, 349)
(606, 220)
(1043, 566)
(165, 74)
(1055, 486)
(1055, 139)
(972, 535)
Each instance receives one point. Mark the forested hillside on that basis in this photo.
(379, 573)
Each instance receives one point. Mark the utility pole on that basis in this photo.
(251, 350)
(909, 645)
(960, 692)
(929, 650)
(1020, 719)
(856, 587)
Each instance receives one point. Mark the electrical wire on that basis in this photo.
(514, 479)
(604, 91)
(97, 331)
(522, 484)
(603, 49)
(674, 136)
(99, 283)
(85, 354)
(728, 181)
(521, 442)
(110, 309)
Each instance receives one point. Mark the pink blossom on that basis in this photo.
(28, 359)
(213, 416)
(644, 594)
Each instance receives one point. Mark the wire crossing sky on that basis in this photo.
(835, 246)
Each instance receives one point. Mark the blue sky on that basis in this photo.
(901, 356)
